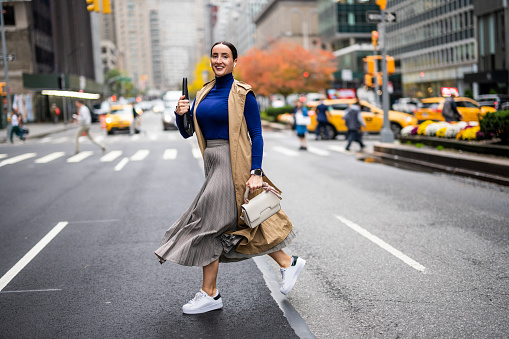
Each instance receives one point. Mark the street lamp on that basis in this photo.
(305, 32)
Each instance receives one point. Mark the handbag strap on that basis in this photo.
(266, 187)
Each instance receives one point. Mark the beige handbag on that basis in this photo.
(261, 207)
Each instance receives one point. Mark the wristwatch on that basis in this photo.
(257, 172)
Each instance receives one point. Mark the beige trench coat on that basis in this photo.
(274, 230)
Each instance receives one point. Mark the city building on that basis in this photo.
(345, 30)
(435, 42)
(294, 21)
(55, 46)
(492, 45)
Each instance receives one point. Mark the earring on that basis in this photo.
(235, 64)
(210, 65)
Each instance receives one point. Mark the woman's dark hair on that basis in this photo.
(229, 45)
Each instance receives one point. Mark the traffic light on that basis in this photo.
(374, 38)
(306, 74)
(368, 80)
(382, 4)
(93, 5)
(369, 65)
(391, 67)
(3, 89)
(106, 7)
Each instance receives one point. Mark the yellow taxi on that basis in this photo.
(373, 116)
(469, 109)
(120, 117)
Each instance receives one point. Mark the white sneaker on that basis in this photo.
(290, 274)
(202, 303)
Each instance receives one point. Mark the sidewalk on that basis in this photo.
(38, 130)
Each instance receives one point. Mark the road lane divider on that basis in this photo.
(318, 151)
(140, 155)
(49, 157)
(3, 156)
(398, 254)
(31, 291)
(7, 277)
(121, 164)
(80, 156)
(286, 151)
(18, 158)
(109, 157)
(170, 154)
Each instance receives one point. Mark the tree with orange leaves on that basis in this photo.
(285, 69)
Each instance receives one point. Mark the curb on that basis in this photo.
(3, 137)
(491, 169)
(273, 126)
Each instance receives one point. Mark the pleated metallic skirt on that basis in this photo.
(197, 238)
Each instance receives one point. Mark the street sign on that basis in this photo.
(376, 16)
(8, 57)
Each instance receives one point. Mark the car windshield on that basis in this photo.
(122, 111)
(430, 104)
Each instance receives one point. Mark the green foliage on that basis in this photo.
(440, 148)
(493, 91)
(273, 112)
(419, 145)
(468, 93)
(496, 124)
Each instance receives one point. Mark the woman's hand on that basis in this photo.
(254, 183)
(182, 106)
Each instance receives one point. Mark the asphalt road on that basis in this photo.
(390, 253)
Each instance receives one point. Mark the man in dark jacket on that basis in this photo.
(450, 110)
(354, 122)
(322, 120)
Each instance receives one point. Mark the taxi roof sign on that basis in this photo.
(448, 91)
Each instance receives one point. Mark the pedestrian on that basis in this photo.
(133, 127)
(228, 128)
(322, 112)
(55, 113)
(84, 121)
(354, 122)
(450, 110)
(15, 127)
(302, 120)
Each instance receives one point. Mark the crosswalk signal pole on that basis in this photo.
(6, 70)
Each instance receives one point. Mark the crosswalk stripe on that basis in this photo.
(196, 153)
(45, 140)
(80, 156)
(286, 151)
(337, 149)
(140, 155)
(3, 156)
(49, 157)
(152, 137)
(111, 156)
(135, 137)
(121, 164)
(60, 140)
(99, 138)
(318, 151)
(16, 159)
(170, 153)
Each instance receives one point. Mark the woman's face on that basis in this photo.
(221, 60)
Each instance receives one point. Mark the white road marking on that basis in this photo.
(27, 291)
(99, 138)
(172, 136)
(338, 149)
(140, 155)
(49, 157)
(45, 140)
(60, 140)
(80, 156)
(111, 156)
(318, 151)
(16, 159)
(196, 153)
(31, 254)
(286, 151)
(121, 164)
(152, 137)
(398, 254)
(3, 156)
(135, 137)
(170, 153)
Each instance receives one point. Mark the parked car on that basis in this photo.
(407, 105)
(373, 116)
(169, 120)
(493, 100)
(469, 109)
(120, 117)
(101, 108)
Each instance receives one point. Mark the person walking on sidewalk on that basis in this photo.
(55, 113)
(322, 111)
(354, 122)
(15, 128)
(84, 121)
(450, 110)
(228, 127)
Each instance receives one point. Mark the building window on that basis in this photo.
(9, 17)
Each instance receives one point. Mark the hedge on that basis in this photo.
(273, 112)
(497, 124)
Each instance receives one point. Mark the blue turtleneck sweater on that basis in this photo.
(212, 116)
